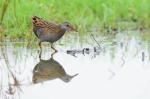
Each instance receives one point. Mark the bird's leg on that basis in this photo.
(40, 54)
(53, 54)
(40, 49)
(53, 48)
(40, 45)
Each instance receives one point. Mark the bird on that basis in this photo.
(48, 70)
(48, 31)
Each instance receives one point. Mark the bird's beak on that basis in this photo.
(71, 28)
(74, 75)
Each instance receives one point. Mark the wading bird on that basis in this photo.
(47, 31)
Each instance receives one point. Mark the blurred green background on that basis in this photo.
(15, 15)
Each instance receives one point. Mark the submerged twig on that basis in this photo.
(96, 50)
(16, 86)
(17, 83)
(10, 90)
(143, 56)
(123, 62)
(113, 74)
(73, 52)
(121, 45)
(95, 40)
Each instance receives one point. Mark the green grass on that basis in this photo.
(82, 14)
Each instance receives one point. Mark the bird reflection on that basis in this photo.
(48, 70)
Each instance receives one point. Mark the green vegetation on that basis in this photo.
(15, 15)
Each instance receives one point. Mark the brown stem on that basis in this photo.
(95, 40)
(5, 6)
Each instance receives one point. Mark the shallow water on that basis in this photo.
(118, 69)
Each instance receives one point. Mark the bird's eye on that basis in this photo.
(67, 24)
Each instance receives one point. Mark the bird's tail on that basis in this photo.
(35, 19)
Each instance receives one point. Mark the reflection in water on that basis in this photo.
(95, 50)
(119, 65)
(48, 70)
(14, 85)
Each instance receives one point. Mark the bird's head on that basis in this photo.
(66, 26)
(67, 78)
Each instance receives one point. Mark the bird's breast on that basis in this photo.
(52, 37)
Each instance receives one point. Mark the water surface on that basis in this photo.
(118, 69)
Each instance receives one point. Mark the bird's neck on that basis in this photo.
(65, 78)
(61, 31)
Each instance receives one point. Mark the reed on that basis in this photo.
(84, 14)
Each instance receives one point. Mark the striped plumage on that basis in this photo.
(48, 70)
(47, 31)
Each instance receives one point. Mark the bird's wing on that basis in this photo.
(46, 26)
(44, 71)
